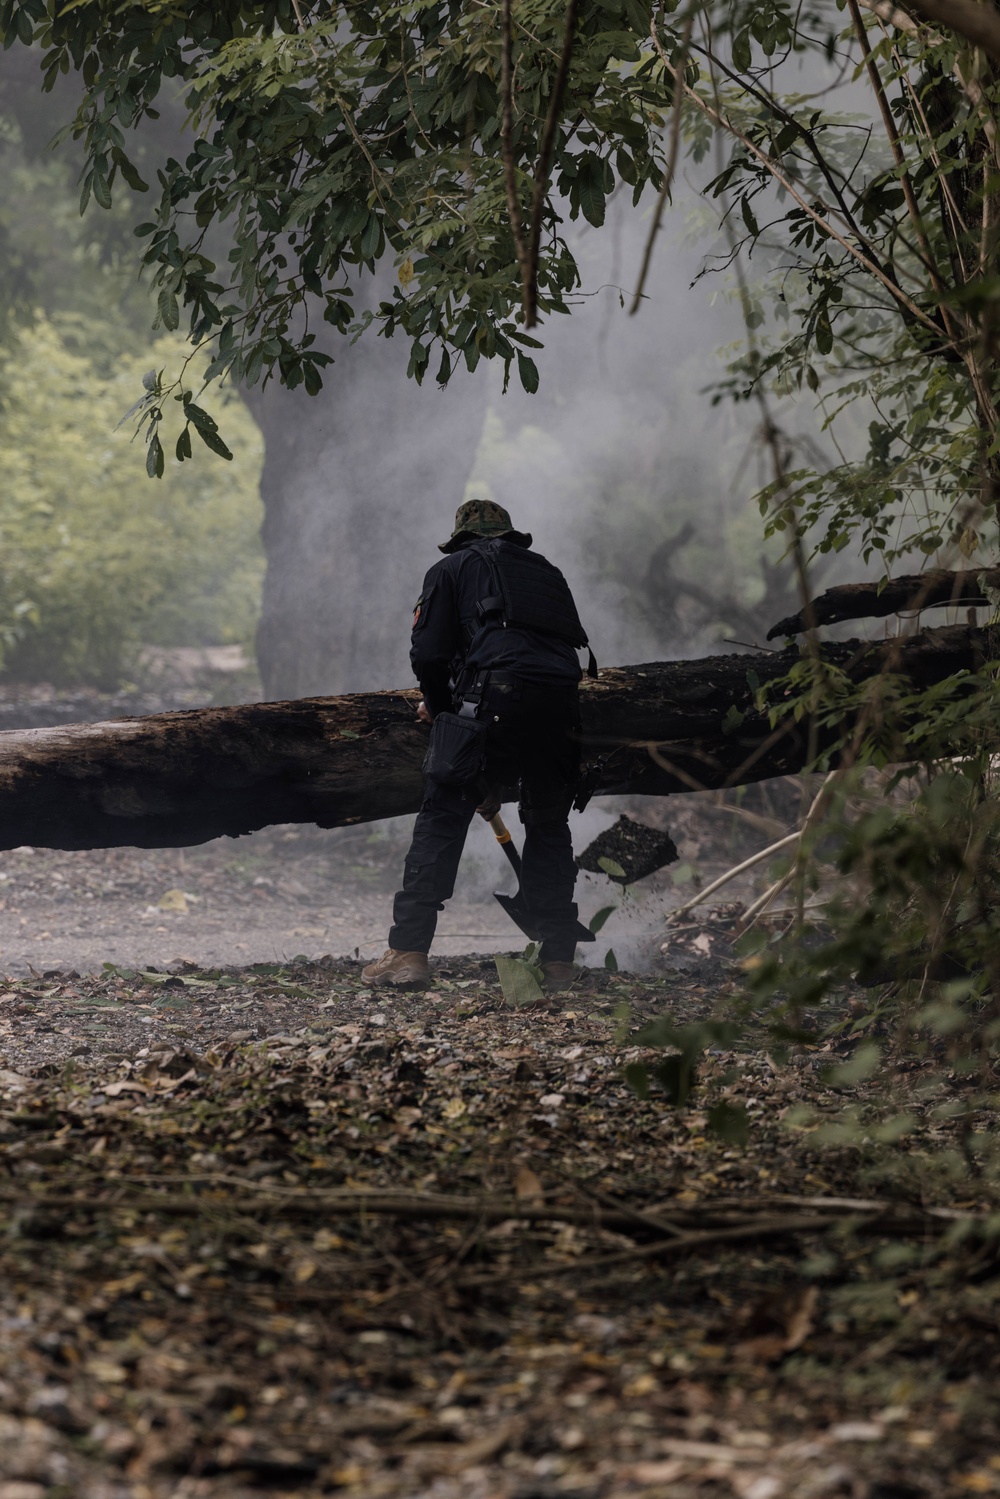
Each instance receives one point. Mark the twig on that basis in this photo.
(892, 134)
(291, 1200)
(816, 809)
(757, 1228)
(770, 165)
(731, 874)
(671, 166)
(636, 1215)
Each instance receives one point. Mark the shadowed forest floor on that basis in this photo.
(266, 1231)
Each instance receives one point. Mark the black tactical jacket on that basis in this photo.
(449, 637)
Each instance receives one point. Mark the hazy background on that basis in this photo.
(294, 569)
(618, 457)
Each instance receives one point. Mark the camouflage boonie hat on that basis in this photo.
(482, 519)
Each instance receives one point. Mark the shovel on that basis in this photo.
(515, 905)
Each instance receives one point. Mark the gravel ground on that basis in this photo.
(286, 892)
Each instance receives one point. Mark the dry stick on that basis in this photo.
(818, 806)
(617, 1206)
(761, 1228)
(668, 176)
(690, 781)
(731, 874)
(873, 1216)
(314, 1203)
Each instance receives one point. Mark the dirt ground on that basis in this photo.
(266, 1231)
(291, 891)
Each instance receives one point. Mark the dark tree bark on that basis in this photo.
(935, 589)
(181, 778)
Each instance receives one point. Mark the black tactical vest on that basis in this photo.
(529, 593)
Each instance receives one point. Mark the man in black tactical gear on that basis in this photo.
(495, 634)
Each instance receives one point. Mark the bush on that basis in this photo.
(96, 561)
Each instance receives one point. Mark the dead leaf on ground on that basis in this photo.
(527, 1186)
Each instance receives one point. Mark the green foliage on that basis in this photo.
(363, 134)
(90, 568)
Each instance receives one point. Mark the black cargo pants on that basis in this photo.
(533, 743)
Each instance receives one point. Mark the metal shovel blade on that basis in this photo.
(518, 912)
(515, 905)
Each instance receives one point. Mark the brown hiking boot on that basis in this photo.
(558, 976)
(403, 970)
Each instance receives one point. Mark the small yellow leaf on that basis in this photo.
(106, 1371)
(968, 541)
(643, 1384)
(304, 1270)
(324, 1239)
(454, 1108)
(173, 900)
(405, 272)
(344, 1477)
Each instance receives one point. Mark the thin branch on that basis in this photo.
(891, 15)
(770, 165)
(544, 163)
(507, 148)
(892, 134)
(671, 167)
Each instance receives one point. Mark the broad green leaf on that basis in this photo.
(166, 306)
(212, 440)
(154, 458)
(519, 985)
(528, 372)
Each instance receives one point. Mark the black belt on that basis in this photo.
(482, 683)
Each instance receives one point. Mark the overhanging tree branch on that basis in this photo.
(974, 22)
(825, 223)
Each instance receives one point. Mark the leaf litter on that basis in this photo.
(268, 1230)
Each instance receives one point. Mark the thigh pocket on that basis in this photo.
(456, 754)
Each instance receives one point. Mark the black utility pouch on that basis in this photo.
(456, 754)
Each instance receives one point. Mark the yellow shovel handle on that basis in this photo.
(499, 828)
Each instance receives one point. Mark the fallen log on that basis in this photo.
(174, 779)
(935, 589)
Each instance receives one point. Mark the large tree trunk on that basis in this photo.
(349, 481)
(181, 778)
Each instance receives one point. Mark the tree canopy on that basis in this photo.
(328, 138)
(858, 160)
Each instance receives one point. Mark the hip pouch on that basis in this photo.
(456, 754)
